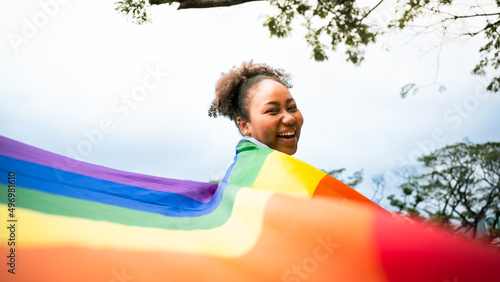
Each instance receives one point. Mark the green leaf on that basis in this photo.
(407, 88)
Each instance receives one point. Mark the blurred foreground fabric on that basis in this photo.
(271, 218)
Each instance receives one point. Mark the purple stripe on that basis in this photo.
(199, 191)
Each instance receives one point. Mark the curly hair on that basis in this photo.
(233, 88)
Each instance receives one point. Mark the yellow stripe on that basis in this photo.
(233, 239)
(289, 175)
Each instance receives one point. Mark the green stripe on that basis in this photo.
(250, 159)
(72, 207)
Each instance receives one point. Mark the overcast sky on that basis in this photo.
(77, 79)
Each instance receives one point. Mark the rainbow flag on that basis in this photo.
(271, 218)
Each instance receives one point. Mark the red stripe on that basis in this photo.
(414, 252)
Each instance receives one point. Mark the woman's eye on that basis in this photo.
(272, 111)
(292, 108)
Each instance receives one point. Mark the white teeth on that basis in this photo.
(287, 133)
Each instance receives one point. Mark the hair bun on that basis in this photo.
(231, 89)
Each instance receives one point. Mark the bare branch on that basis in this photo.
(371, 10)
(475, 15)
(472, 34)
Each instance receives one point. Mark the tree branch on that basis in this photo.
(485, 28)
(371, 10)
(159, 2)
(198, 4)
(475, 15)
(464, 219)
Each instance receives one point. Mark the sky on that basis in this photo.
(79, 80)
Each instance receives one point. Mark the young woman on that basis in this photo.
(257, 98)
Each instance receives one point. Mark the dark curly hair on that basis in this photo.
(233, 88)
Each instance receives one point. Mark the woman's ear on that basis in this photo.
(244, 126)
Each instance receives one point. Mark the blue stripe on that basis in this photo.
(41, 178)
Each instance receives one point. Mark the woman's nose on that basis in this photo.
(288, 118)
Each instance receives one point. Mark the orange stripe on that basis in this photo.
(82, 265)
(320, 239)
(331, 187)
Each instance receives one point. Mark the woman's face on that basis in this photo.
(275, 119)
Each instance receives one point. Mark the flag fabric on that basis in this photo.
(271, 218)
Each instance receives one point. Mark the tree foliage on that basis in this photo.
(331, 24)
(352, 181)
(458, 187)
(135, 10)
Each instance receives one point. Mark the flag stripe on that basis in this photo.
(198, 191)
(67, 206)
(247, 164)
(41, 178)
(331, 187)
(287, 175)
(414, 252)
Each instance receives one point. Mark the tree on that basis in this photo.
(458, 187)
(352, 181)
(331, 24)
(378, 193)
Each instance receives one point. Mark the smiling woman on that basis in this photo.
(257, 98)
